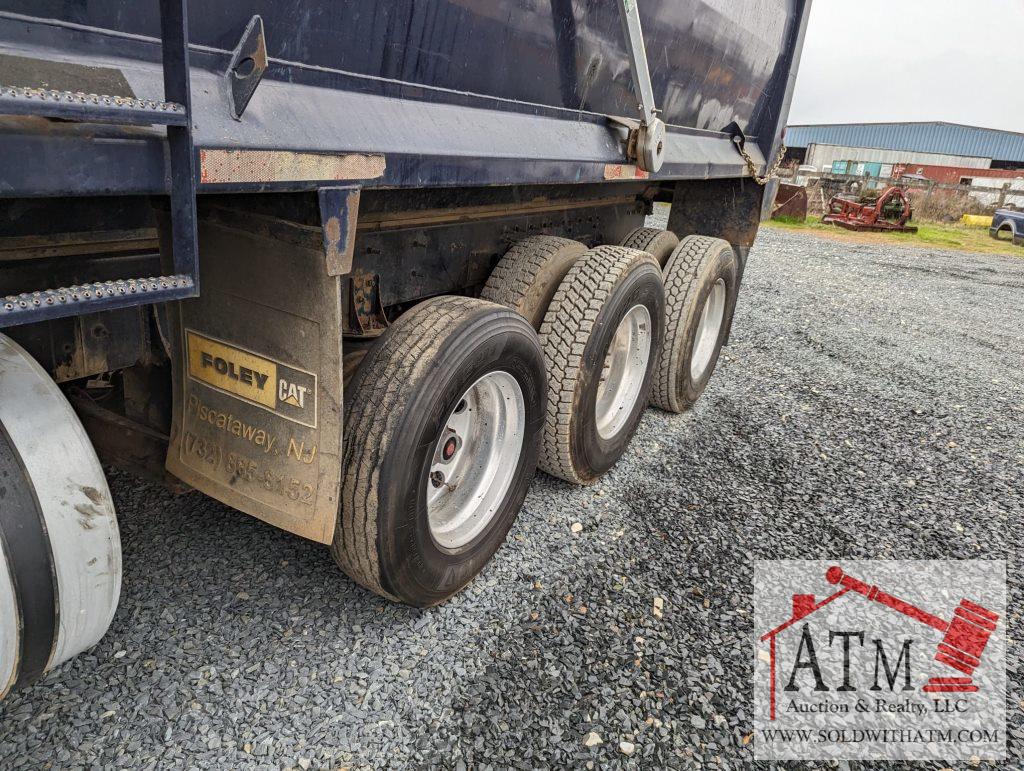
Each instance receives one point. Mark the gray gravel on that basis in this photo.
(869, 406)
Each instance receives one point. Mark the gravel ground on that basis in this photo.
(868, 406)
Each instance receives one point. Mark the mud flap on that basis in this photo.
(258, 374)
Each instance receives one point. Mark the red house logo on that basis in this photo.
(885, 660)
(964, 636)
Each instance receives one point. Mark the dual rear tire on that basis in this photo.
(442, 424)
(601, 337)
(701, 278)
(455, 406)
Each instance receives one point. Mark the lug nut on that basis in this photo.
(449, 448)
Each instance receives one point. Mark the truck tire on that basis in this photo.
(525, 279)
(656, 242)
(701, 279)
(60, 550)
(442, 431)
(601, 338)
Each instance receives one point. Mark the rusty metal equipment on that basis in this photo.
(891, 211)
(790, 201)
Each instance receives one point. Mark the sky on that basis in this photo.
(960, 61)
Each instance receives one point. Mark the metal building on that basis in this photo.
(825, 156)
(1005, 148)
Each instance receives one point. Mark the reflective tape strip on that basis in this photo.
(624, 171)
(264, 166)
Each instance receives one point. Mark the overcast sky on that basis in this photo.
(960, 61)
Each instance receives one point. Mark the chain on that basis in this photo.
(771, 171)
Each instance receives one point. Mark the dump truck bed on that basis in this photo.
(398, 94)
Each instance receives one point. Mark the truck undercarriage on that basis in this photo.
(359, 305)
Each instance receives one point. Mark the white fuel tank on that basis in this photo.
(60, 550)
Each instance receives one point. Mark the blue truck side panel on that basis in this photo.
(710, 63)
(387, 94)
(451, 92)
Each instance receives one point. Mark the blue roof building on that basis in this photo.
(1005, 148)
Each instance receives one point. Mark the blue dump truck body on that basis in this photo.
(454, 93)
(357, 268)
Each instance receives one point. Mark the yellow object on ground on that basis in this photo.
(976, 221)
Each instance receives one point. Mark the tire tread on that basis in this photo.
(518, 270)
(388, 378)
(656, 242)
(564, 334)
(682, 283)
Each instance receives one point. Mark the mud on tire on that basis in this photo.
(527, 276)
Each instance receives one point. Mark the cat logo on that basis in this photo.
(291, 393)
(251, 377)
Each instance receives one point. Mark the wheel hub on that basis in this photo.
(622, 376)
(708, 328)
(475, 459)
(450, 446)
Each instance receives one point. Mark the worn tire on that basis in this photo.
(656, 242)
(400, 401)
(527, 276)
(599, 290)
(696, 265)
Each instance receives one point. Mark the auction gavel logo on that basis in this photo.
(963, 643)
(964, 638)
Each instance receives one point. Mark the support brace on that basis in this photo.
(647, 138)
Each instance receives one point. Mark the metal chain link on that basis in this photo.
(772, 170)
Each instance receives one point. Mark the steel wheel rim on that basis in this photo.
(708, 327)
(624, 370)
(475, 459)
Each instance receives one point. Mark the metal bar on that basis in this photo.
(124, 442)
(177, 88)
(75, 300)
(630, 17)
(98, 108)
(339, 212)
(75, 165)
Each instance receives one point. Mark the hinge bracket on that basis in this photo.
(248, 63)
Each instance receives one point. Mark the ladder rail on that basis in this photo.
(29, 307)
(177, 88)
(175, 113)
(80, 106)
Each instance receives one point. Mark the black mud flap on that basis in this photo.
(258, 373)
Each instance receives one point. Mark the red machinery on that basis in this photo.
(890, 211)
